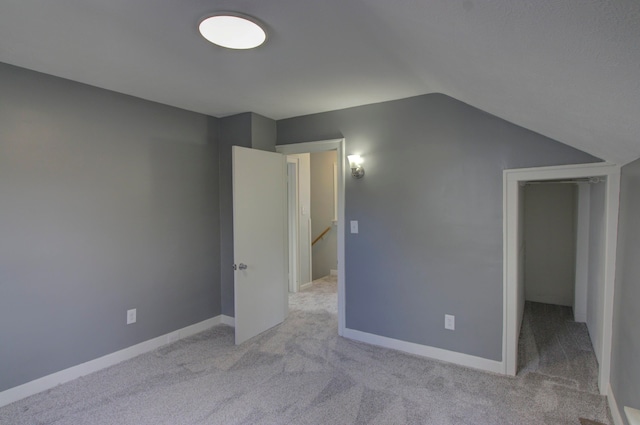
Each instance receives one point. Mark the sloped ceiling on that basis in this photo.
(567, 69)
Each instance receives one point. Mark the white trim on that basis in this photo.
(306, 285)
(633, 415)
(322, 146)
(611, 245)
(47, 382)
(582, 253)
(435, 353)
(613, 406)
(309, 147)
(309, 234)
(511, 180)
(335, 192)
(227, 320)
(293, 225)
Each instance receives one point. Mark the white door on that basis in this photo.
(260, 241)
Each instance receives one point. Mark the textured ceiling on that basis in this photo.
(567, 69)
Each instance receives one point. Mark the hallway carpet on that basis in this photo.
(322, 294)
(557, 348)
(301, 372)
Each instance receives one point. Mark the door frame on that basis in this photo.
(512, 180)
(293, 203)
(322, 146)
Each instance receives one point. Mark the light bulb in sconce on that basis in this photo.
(355, 162)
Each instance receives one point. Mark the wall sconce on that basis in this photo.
(355, 162)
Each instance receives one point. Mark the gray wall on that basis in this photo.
(550, 239)
(325, 251)
(625, 371)
(251, 131)
(108, 203)
(234, 130)
(263, 133)
(595, 278)
(430, 215)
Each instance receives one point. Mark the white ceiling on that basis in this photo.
(567, 69)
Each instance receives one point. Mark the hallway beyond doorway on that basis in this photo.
(552, 345)
(321, 294)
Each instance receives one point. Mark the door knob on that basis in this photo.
(241, 266)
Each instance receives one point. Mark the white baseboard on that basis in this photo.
(47, 382)
(613, 406)
(333, 272)
(305, 285)
(426, 351)
(633, 415)
(228, 320)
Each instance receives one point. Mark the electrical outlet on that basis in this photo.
(131, 316)
(450, 322)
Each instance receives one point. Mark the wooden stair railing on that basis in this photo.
(321, 235)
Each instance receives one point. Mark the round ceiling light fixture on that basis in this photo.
(233, 31)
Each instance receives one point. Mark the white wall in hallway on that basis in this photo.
(304, 219)
(550, 235)
(595, 291)
(325, 253)
(582, 252)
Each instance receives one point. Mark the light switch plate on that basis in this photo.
(131, 316)
(450, 322)
(354, 226)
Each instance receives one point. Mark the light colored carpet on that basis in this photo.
(321, 295)
(557, 348)
(300, 372)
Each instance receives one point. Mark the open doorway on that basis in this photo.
(316, 222)
(324, 215)
(562, 284)
(318, 218)
(599, 264)
(299, 222)
(313, 218)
